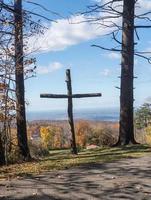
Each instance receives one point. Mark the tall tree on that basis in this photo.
(109, 14)
(20, 89)
(126, 132)
(11, 70)
(6, 71)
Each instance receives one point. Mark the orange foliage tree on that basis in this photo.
(83, 129)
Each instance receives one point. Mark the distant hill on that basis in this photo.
(111, 114)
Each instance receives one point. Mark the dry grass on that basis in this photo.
(63, 159)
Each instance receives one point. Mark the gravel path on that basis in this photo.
(125, 179)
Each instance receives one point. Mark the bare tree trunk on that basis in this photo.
(126, 129)
(2, 153)
(20, 99)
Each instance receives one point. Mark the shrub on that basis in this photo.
(83, 129)
(37, 149)
(148, 134)
(14, 156)
(101, 137)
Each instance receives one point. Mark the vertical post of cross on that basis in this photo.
(70, 111)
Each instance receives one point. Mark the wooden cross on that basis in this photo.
(70, 96)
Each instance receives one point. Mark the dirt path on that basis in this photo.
(126, 179)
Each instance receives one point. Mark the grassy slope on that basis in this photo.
(63, 159)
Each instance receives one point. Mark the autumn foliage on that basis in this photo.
(52, 136)
(83, 130)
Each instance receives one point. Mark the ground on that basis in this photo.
(127, 178)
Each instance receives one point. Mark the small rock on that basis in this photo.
(60, 176)
(138, 187)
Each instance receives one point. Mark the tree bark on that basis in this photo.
(20, 99)
(2, 153)
(126, 129)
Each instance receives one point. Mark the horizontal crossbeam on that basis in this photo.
(64, 96)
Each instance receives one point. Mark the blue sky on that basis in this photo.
(67, 45)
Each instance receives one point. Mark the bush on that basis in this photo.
(14, 155)
(101, 137)
(148, 134)
(82, 129)
(37, 149)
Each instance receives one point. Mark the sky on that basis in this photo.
(67, 44)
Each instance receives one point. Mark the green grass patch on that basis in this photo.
(63, 159)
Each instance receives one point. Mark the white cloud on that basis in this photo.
(148, 99)
(50, 68)
(113, 55)
(97, 1)
(145, 4)
(141, 6)
(106, 72)
(66, 33)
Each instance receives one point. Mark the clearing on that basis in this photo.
(109, 173)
